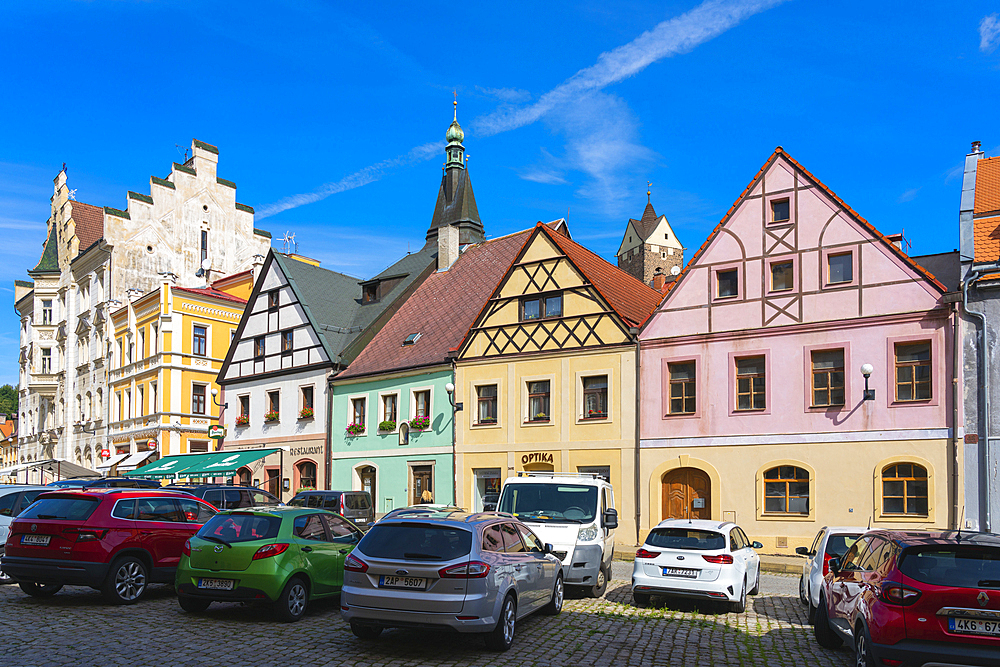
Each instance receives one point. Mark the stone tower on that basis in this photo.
(649, 244)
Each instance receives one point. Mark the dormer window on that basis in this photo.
(272, 300)
(411, 339)
(369, 293)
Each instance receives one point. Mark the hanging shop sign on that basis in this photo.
(216, 432)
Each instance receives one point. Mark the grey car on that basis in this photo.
(450, 570)
(354, 505)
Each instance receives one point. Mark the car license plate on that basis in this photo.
(216, 584)
(361, 521)
(40, 540)
(402, 582)
(974, 626)
(680, 572)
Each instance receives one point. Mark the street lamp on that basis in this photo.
(215, 392)
(450, 388)
(867, 370)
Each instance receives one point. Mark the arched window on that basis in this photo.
(904, 489)
(307, 475)
(246, 477)
(786, 490)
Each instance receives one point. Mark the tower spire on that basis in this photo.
(455, 136)
(649, 192)
(455, 103)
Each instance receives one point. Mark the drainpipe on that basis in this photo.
(328, 456)
(956, 396)
(984, 414)
(638, 411)
(454, 435)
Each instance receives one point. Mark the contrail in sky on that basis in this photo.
(671, 37)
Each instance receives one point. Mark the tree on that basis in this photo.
(8, 400)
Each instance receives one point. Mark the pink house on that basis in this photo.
(752, 394)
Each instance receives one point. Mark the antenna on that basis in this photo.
(288, 242)
(182, 151)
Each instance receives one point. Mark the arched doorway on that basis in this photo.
(246, 477)
(686, 493)
(367, 476)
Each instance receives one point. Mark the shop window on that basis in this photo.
(595, 397)
(682, 388)
(751, 384)
(538, 401)
(828, 378)
(786, 490)
(486, 396)
(904, 489)
(913, 371)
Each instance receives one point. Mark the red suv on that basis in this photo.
(114, 540)
(915, 597)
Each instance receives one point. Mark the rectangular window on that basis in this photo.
(543, 306)
(390, 409)
(198, 399)
(780, 210)
(131, 351)
(153, 396)
(272, 300)
(121, 405)
(258, 347)
(828, 378)
(595, 397)
(141, 404)
(274, 402)
(538, 401)
(244, 406)
(47, 311)
(750, 384)
(728, 283)
(204, 245)
(682, 388)
(369, 293)
(46, 360)
(913, 371)
(199, 345)
(782, 276)
(422, 403)
(358, 406)
(486, 397)
(307, 397)
(142, 343)
(286, 342)
(840, 268)
(154, 344)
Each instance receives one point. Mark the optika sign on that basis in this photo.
(537, 457)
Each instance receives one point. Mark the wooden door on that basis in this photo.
(680, 489)
(422, 485)
(367, 475)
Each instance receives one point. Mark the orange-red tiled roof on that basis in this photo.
(231, 278)
(986, 238)
(89, 222)
(987, 186)
(850, 211)
(632, 299)
(208, 291)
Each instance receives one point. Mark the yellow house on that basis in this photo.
(547, 373)
(168, 347)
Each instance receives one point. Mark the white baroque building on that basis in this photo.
(189, 227)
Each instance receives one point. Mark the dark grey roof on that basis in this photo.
(945, 266)
(456, 204)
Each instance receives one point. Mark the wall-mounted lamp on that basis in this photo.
(215, 392)
(450, 388)
(867, 370)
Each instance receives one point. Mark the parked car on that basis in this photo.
(14, 498)
(285, 555)
(420, 510)
(115, 540)
(227, 496)
(355, 505)
(576, 513)
(915, 598)
(829, 543)
(467, 572)
(490, 501)
(105, 483)
(699, 559)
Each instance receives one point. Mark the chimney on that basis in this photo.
(255, 266)
(447, 247)
(965, 225)
(896, 240)
(659, 279)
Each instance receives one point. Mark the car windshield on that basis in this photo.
(73, 509)
(959, 565)
(229, 528)
(838, 545)
(558, 503)
(416, 542)
(70, 482)
(686, 538)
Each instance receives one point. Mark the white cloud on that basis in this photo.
(909, 195)
(506, 94)
(989, 33)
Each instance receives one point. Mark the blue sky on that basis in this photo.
(331, 120)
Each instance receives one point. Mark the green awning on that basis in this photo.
(211, 464)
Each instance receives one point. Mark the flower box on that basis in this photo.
(243, 420)
(271, 416)
(420, 423)
(306, 413)
(489, 421)
(355, 429)
(387, 426)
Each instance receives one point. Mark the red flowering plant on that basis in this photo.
(355, 429)
(306, 413)
(271, 416)
(243, 420)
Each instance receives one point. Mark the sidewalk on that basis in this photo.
(774, 563)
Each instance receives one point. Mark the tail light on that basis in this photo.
(474, 569)
(269, 550)
(186, 549)
(721, 559)
(86, 534)
(643, 553)
(354, 564)
(898, 594)
(827, 557)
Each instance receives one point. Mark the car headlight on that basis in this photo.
(588, 533)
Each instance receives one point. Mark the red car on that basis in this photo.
(115, 540)
(907, 598)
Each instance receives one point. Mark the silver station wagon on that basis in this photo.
(450, 569)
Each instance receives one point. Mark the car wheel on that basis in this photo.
(366, 632)
(641, 599)
(291, 604)
(558, 594)
(825, 636)
(192, 605)
(597, 590)
(740, 605)
(862, 648)
(811, 616)
(803, 595)
(126, 582)
(502, 635)
(39, 590)
(756, 583)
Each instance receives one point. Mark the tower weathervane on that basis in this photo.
(455, 104)
(649, 191)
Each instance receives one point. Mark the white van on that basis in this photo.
(576, 514)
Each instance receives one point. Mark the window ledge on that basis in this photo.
(538, 422)
(681, 415)
(919, 401)
(307, 419)
(903, 518)
(495, 424)
(732, 297)
(775, 516)
(826, 408)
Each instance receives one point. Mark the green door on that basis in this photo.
(318, 553)
(344, 538)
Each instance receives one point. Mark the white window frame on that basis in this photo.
(208, 340)
(554, 401)
(413, 402)
(474, 386)
(579, 398)
(381, 409)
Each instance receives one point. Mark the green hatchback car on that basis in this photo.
(282, 555)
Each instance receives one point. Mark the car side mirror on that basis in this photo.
(802, 551)
(547, 548)
(834, 564)
(610, 519)
(757, 545)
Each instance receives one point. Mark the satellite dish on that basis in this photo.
(675, 270)
(206, 264)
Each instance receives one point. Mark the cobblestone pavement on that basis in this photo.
(75, 628)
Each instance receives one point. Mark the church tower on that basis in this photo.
(456, 204)
(650, 248)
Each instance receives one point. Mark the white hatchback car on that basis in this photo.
(709, 560)
(13, 499)
(829, 543)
